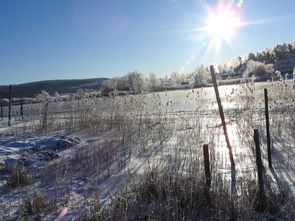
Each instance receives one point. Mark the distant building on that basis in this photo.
(222, 76)
(185, 83)
(285, 65)
(166, 83)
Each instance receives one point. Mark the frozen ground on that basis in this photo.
(73, 168)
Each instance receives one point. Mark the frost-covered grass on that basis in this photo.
(176, 196)
(140, 156)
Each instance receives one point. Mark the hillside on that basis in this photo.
(51, 86)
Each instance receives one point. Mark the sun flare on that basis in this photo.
(222, 23)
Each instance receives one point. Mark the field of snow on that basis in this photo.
(79, 151)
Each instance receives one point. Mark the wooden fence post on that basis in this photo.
(260, 200)
(267, 128)
(207, 165)
(9, 105)
(45, 116)
(21, 109)
(221, 113)
(2, 111)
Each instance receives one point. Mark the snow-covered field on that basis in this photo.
(98, 146)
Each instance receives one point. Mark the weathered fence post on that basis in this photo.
(45, 116)
(21, 109)
(260, 202)
(267, 128)
(207, 175)
(2, 111)
(221, 113)
(9, 105)
(207, 165)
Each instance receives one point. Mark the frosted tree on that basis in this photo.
(258, 69)
(109, 85)
(43, 96)
(176, 78)
(122, 83)
(154, 81)
(202, 75)
(135, 81)
(46, 113)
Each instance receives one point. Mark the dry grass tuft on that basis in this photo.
(35, 205)
(175, 196)
(18, 177)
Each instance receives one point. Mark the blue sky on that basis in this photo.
(66, 39)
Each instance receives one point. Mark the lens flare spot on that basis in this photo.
(240, 3)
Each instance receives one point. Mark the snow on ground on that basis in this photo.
(73, 168)
(37, 152)
(32, 152)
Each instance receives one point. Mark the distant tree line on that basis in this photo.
(61, 86)
(259, 65)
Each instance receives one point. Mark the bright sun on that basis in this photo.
(221, 24)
